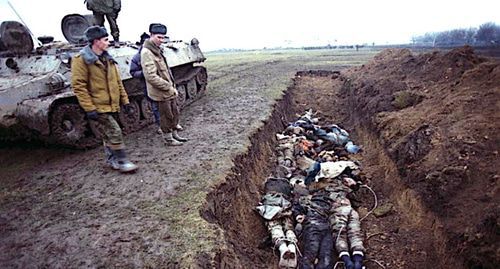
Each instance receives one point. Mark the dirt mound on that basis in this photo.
(436, 114)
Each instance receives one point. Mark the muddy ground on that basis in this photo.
(428, 125)
(63, 208)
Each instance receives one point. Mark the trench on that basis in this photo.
(414, 235)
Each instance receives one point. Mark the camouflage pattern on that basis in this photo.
(344, 220)
(111, 17)
(110, 131)
(104, 6)
(280, 231)
(346, 227)
(285, 151)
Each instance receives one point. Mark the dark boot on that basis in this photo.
(124, 165)
(110, 158)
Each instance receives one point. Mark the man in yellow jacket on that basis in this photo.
(160, 84)
(99, 89)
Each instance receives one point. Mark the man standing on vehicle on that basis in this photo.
(97, 84)
(108, 8)
(160, 84)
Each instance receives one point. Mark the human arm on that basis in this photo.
(150, 72)
(123, 93)
(135, 66)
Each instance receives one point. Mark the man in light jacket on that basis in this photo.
(96, 82)
(160, 83)
(136, 72)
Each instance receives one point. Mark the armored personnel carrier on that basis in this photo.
(36, 99)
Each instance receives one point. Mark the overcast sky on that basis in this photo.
(270, 23)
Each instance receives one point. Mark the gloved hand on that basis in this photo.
(128, 109)
(348, 264)
(92, 115)
(358, 261)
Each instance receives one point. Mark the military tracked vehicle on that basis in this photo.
(36, 99)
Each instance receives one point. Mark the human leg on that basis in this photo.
(114, 144)
(115, 32)
(167, 123)
(98, 18)
(311, 244)
(325, 253)
(175, 119)
(355, 238)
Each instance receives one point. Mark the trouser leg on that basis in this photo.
(98, 18)
(354, 232)
(115, 32)
(325, 260)
(114, 146)
(338, 222)
(277, 232)
(156, 112)
(111, 132)
(169, 117)
(284, 240)
(175, 113)
(311, 242)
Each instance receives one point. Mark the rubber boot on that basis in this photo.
(124, 165)
(110, 158)
(171, 141)
(176, 136)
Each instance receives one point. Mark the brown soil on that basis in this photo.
(431, 154)
(445, 146)
(428, 125)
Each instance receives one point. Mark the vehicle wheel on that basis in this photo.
(201, 81)
(131, 122)
(181, 98)
(70, 128)
(192, 89)
(147, 110)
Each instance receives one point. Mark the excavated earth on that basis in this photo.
(429, 128)
(428, 124)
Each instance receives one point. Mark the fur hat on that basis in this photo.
(157, 28)
(95, 32)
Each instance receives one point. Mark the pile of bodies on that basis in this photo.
(306, 205)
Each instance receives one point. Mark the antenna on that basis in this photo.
(21, 19)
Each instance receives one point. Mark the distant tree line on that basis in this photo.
(334, 47)
(487, 34)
